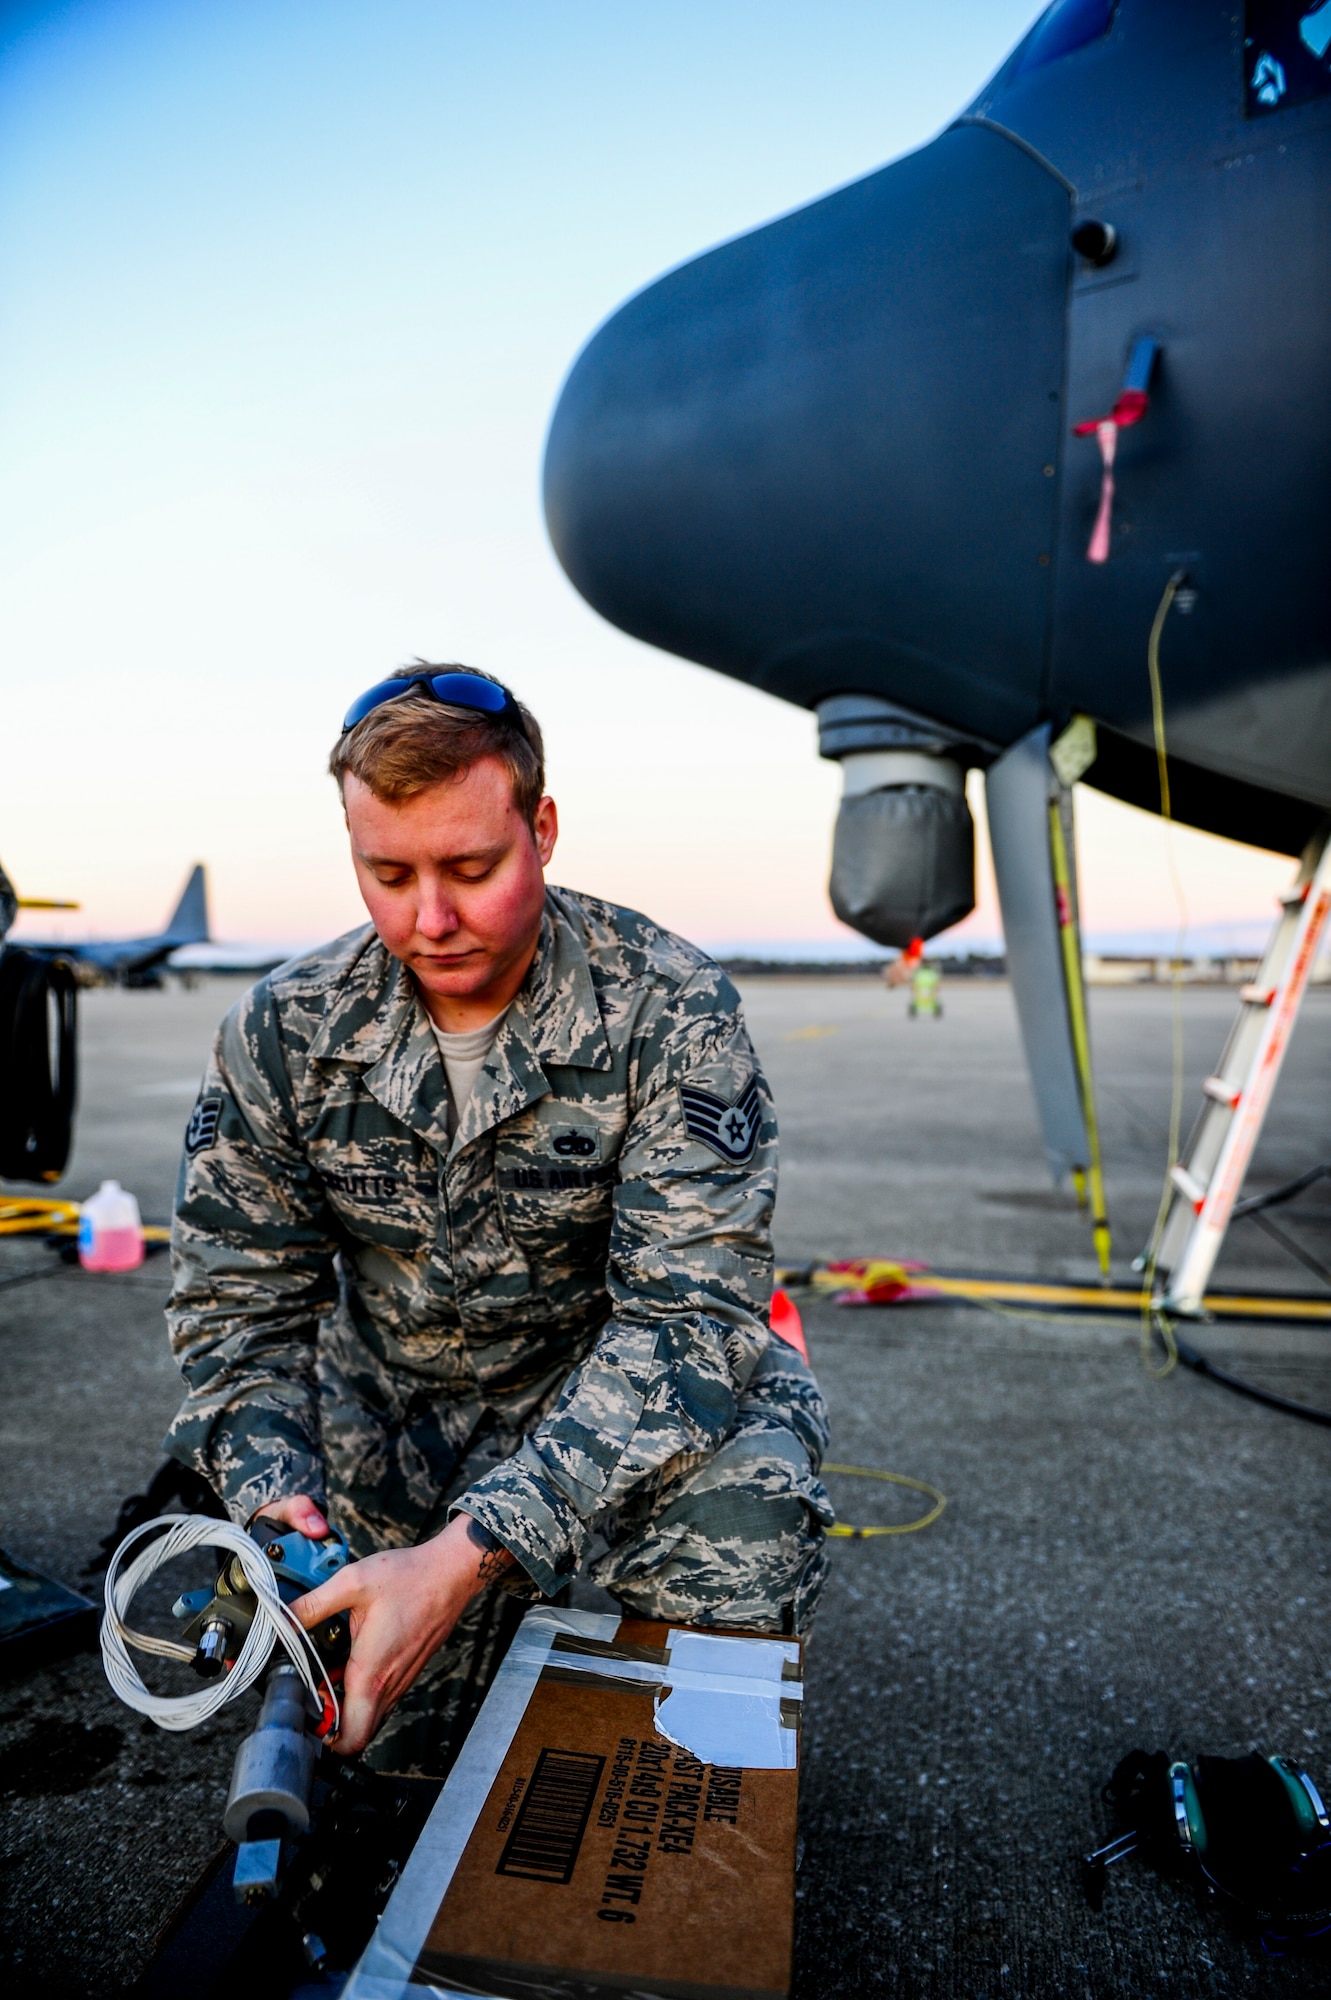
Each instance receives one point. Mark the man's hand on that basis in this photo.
(299, 1512)
(403, 1605)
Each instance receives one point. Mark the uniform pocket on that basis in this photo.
(557, 1191)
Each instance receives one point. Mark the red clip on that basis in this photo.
(328, 1720)
(1131, 403)
(1130, 406)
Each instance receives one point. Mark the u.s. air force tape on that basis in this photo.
(729, 1129)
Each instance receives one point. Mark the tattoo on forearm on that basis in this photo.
(495, 1558)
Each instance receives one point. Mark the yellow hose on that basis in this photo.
(842, 1528)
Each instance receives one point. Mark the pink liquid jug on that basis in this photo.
(110, 1231)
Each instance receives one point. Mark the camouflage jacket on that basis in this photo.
(586, 1268)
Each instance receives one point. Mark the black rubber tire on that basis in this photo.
(38, 1063)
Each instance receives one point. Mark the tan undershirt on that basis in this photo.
(464, 1058)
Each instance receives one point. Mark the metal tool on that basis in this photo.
(217, 1620)
(268, 1804)
(271, 1781)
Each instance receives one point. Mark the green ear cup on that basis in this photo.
(1303, 1796)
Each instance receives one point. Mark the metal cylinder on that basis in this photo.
(274, 1767)
(877, 770)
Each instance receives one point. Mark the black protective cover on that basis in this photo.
(40, 1619)
(903, 863)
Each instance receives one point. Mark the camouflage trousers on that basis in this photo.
(733, 1538)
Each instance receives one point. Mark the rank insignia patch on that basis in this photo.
(729, 1129)
(201, 1132)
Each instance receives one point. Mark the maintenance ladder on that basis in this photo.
(1208, 1177)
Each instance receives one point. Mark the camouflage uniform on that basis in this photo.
(557, 1320)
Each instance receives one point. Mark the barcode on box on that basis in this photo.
(552, 1818)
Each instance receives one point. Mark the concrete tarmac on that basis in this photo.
(1123, 1561)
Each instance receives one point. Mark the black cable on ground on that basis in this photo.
(27, 1277)
(172, 1483)
(1286, 1192)
(1190, 1358)
(1287, 1243)
(1254, 1210)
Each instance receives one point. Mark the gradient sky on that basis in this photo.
(289, 290)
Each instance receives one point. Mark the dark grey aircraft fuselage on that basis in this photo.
(836, 456)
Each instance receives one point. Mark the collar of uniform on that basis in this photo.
(554, 1020)
(366, 1012)
(559, 998)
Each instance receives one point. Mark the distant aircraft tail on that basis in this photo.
(188, 922)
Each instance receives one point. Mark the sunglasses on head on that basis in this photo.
(459, 690)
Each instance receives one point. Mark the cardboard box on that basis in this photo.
(621, 1820)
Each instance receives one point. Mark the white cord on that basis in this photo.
(273, 1623)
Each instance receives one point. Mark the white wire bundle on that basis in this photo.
(273, 1623)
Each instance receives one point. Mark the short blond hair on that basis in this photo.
(414, 741)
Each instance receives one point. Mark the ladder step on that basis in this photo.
(1190, 1189)
(1220, 1154)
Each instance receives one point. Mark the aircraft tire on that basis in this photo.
(38, 1063)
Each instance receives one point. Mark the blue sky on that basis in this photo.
(289, 292)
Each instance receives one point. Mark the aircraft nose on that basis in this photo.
(816, 457)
